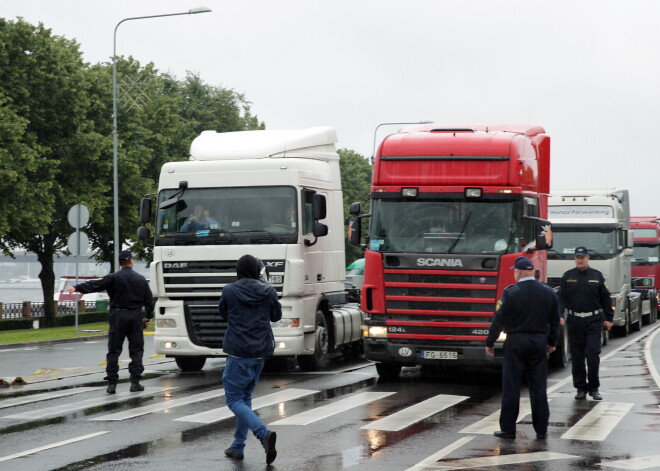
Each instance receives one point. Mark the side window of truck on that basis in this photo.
(530, 208)
(307, 197)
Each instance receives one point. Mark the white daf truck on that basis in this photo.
(272, 194)
(598, 219)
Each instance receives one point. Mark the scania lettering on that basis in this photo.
(273, 194)
(451, 209)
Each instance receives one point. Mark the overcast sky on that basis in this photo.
(588, 71)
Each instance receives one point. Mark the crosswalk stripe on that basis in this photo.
(490, 424)
(78, 405)
(435, 457)
(416, 413)
(642, 462)
(597, 424)
(223, 413)
(168, 404)
(18, 401)
(328, 410)
(497, 460)
(52, 445)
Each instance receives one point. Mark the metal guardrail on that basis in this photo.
(36, 309)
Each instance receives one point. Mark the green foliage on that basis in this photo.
(60, 320)
(356, 183)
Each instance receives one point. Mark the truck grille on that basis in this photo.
(205, 326)
(205, 279)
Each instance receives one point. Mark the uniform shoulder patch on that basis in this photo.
(499, 304)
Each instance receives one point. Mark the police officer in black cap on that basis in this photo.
(582, 292)
(529, 314)
(128, 292)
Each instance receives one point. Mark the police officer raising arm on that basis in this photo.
(128, 292)
(529, 314)
(582, 292)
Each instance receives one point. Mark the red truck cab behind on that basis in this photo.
(451, 209)
(646, 264)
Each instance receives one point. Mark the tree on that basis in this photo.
(45, 90)
(355, 182)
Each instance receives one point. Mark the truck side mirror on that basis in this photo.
(145, 210)
(543, 231)
(630, 239)
(355, 209)
(319, 229)
(143, 233)
(318, 207)
(354, 230)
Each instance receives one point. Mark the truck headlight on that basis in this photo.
(376, 331)
(288, 322)
(165, 323)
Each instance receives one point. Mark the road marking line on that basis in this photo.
(411, 415)
(93, 402)
(649, 359)
(52, 445)
(434, 458)
(498, 460)
(597, 424)
(44, 396)
(223, 413)
(319, 413)
(490, 424)
(168, 404)
(643, 462)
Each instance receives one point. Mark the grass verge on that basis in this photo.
(55, 333)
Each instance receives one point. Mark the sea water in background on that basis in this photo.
(19, 282)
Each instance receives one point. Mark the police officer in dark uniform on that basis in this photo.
(582, 292)
(529, 314)
(128, 292)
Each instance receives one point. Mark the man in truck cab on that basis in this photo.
(582, 292)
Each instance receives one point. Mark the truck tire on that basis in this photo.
(188, 364)
(561, 357)
(388, 371)
(320, 359)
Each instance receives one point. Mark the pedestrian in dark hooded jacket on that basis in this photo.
(249, 306)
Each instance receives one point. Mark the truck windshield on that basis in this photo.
(444, 226)
(646, 254)
(600, 241)
(254, 215)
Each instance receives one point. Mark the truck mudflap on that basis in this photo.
(384, 351)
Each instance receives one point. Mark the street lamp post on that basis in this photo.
(373, 150)
(115, 173)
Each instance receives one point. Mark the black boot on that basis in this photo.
(135, 387)
(111, 388)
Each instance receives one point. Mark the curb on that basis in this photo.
(41, 343)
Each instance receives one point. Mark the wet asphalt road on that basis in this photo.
(327, 421)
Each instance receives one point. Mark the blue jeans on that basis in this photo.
(239, 380)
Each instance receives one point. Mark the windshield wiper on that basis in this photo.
(460, 236)
(561, 255)
(596, 252)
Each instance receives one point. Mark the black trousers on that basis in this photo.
(525, 355)
(585, 336)
(125, 324)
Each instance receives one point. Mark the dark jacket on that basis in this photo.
(584, 291)
(528, 307)
(126, 288)
(249, 306)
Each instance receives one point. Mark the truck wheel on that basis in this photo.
(320, 359)
(388, 371)
(624, 330)
(187, 364)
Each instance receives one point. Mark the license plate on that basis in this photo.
(434, 355)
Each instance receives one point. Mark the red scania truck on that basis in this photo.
(451, 209)
(646, 264)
